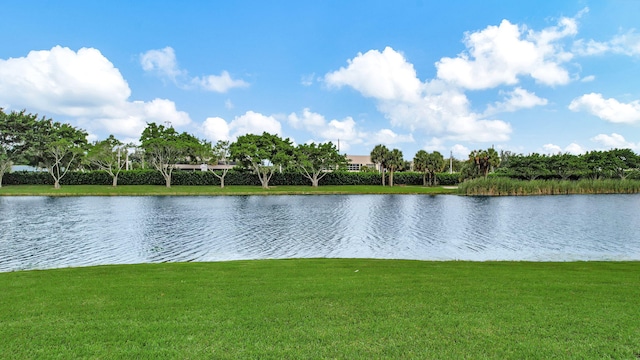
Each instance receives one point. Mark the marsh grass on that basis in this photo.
(141, 190)
(495, 186)
(324, 308)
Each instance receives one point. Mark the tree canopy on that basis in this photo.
(316, 160)
(263, 154)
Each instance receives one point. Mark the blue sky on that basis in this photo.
(452, 76)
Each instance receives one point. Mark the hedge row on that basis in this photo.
(238, 177)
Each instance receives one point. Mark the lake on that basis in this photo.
(54, 232)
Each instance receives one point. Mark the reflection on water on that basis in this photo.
(45, 232)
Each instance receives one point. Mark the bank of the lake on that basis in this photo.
(158, 190)
(321, 308)
(503, 186)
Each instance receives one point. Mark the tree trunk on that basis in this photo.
(391, 178)
(314, 181)
(115, 181)
(222, 182)
(167, 180)
(382, 172)
(56, 184)
(424, 179)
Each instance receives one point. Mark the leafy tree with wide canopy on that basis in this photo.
(316, 160)
(379, 156)
(109, 155)
(219, 154)
(262, 154)
(164, 147)
(14, 130)
(56, 147)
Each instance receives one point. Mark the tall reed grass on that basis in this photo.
(498, 186)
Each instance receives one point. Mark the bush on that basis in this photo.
(233, 177)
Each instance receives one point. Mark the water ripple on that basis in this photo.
(43, 232)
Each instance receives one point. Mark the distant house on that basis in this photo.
(356, 162)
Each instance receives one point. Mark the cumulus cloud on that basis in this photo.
(615, 141)
(572, 148)
(433, 107)
(515, 100)
(83, 85)
(163, 63)
(216, 128)
(346, 130)
(607, 109)
(382, 75)
(499, 55)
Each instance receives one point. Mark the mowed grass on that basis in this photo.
(324, 308)
(141, 190)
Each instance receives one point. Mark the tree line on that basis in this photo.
(59, 148)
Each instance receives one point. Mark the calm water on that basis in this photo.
(45, 232)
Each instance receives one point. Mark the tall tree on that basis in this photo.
(164, 147)
(484, 160)
(109, 155)
(263, 154)
(379, 156)
(14, 130)
(316, 161)
(56, 147)
(394, 161)
(429, 164)
(220, 155)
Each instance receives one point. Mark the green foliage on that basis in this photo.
(316, 161)
(495, 186)
(203, 178)
(379, 156)
(429, 164)
(164, 147)
(263, 154)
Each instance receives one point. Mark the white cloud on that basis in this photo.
(382, 75)
(515, 100)
(388, 137)
(588, 78)
(216, 128)
(433, 107)
(615, 141)
(572, 148)
(218, 83)
(83, 85)
(499, 55)
(163, 63)
(345, 131)
(607, 109)
(460, 152)
(307, 80)
(623, 44)
(251, 122)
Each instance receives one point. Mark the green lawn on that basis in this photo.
(324, 308)
(105, 190)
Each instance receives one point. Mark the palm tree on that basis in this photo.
(394, 161)
(379, 156)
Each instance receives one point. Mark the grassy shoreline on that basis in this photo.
(156, 190)
(500, 186)
(324, 308)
